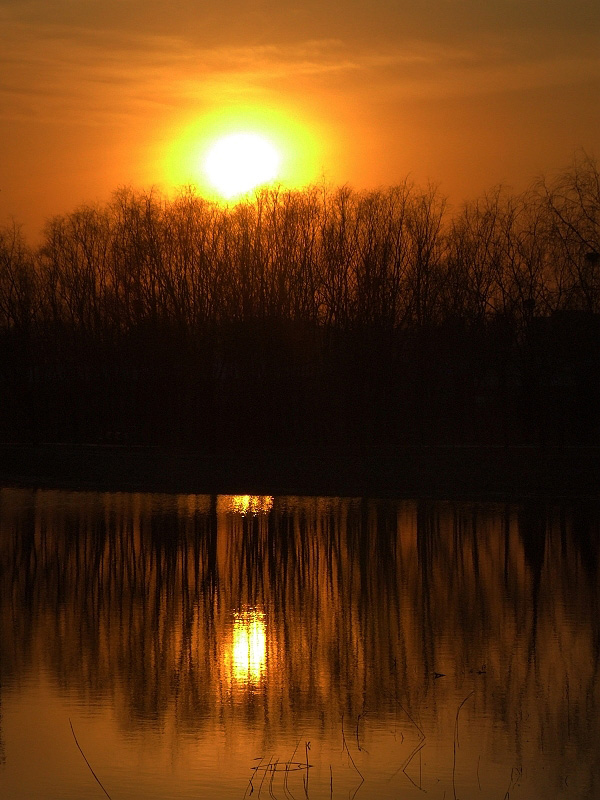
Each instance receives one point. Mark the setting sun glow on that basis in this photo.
(231, 151)
(239, 162)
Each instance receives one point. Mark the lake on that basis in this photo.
(235, 646)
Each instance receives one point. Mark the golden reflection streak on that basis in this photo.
(248, 655)
(244, 504)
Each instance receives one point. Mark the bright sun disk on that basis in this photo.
(239, 162)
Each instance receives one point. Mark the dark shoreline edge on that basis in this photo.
(469, 472)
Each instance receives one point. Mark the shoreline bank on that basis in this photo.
(485, 472)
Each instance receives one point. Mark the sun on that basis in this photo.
(230, 151)
(238, 162)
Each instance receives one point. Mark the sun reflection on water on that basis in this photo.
(248, 654)
(244, 504)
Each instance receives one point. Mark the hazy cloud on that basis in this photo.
(56, 70)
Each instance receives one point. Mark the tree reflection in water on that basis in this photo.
(264, 615)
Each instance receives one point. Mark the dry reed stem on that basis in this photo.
(273, 771)
(345, 747)
(360, 749)
(287, 770)
(264, 776)
(457, 743)
(250, 784)
(87, 762)
(417, 749)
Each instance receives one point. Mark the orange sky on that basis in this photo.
(94, 95)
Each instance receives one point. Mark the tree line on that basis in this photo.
(307, 313)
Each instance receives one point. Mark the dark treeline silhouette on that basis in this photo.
(318, 315)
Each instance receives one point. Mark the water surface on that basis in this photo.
(214, 646)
